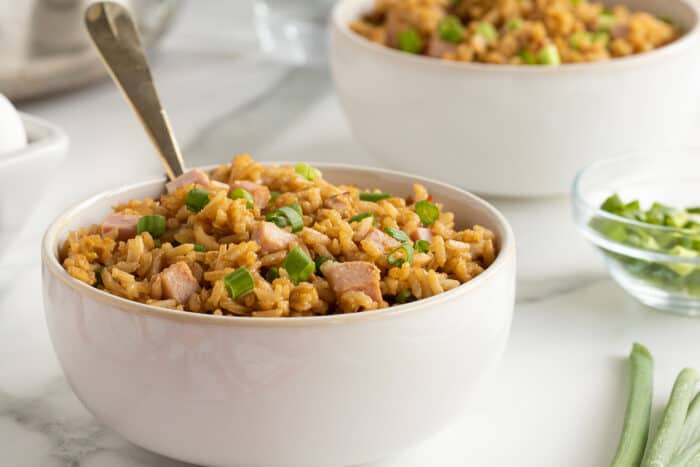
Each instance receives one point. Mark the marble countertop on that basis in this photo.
(558, 398)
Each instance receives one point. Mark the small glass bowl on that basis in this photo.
(671, 177)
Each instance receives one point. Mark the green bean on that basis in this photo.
(689, 441)
(667, 435)
(635, 429)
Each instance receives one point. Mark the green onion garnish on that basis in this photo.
(293, 217)
(410, 41)
(306, 171)
(451, 29)
(404, 296)
(298, 265)
(514, 24)
(527, 57)
(397, 234)
(154, 225)
(427, 212)
(272, 274)
(319, 261)
(606, 21)
(239, 193)
(422, 246)
(666, 19)
(239, 283)
(487, 31)
(360, 216)
(98, 275)
(549, 55)
(396, 260)
(374, 197)
(197, 199)
(200, 248)
(274, 195)
(279, 221)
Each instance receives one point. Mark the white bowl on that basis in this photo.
(330, 390)
(25, 172)
(514, 130)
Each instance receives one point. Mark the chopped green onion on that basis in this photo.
(272, 274)
(297, 208)
(404, 296)
(527, 57)
(306, 171)
(410, 41)
(157, 243)
(239, 193)
(549, 55)
(292, 215)
(396, 260)
(319, 261)
(427, 212)
(514, 24)
(200, 248)
(197, 199)
(397, 234)
(666, 19)
(450, 29)
(239, 283)
(374, 197)
(606, 21)
(274, 195)
(279, 221)
(154, 225)
(422, 246)
(487, 31)
(98, 275)
(360, 216)
(603, 37)
(298, 265)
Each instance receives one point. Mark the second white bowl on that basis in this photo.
(514, 130)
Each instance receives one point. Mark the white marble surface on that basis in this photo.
(559, 396)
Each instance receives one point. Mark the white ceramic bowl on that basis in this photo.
(515, 130)
(331, 390)
(25, 172)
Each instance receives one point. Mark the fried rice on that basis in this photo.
(250, 239)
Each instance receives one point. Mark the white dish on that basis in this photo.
(13, 136)
(514, 130)
(25, 172)
(329, 390)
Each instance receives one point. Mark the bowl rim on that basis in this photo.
(387, 54)
(580, 201)
(52, 265)
(54, 141)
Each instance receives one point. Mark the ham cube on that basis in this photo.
(195, 176)
(124, 224)
(178, 282)
(340, 203)
(358, 276)
(271, 238)
(260, 193)
(422, 233)
(380, 240)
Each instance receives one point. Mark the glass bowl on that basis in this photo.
(657, 264)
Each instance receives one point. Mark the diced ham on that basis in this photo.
(340, 203)
(353, 275)
(380, 240)
(124, 224)
(437, 47)
(270, 237)
(217, 185)
(422, 233)
(260, 193)
(178, 282)
(195, 176)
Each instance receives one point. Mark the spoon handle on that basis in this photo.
(116, 37)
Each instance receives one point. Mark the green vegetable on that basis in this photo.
(298, 265)
(666, 20)
(514, 24)
(272, 274)
(527, 57)
(422, 246)
(319, 261)
(427, 212)
(410, 41)
(374, 197)
(98, 275)
(549, 55)
(360, 216)
(606, 21)
(200, 248)
(241, 193)
(197, 199)
(306, 171)
(635, 429)
(153, 224)
(581, 38)
(239, 283)
(274, 195)
(404, 296)
(688, 449)
(395, 259)
(669, 431)
(682, 269)
(487, 31)
(450, 29)
(397, 234)
(287, 216)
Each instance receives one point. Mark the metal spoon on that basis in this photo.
(115, 36)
